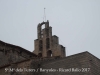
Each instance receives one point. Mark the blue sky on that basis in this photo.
(75, 22)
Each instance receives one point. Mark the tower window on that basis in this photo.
(47, 43)
(40, 55)
(40, 45)
(49, 53)
(47, 32)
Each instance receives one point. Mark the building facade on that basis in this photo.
(48, 58)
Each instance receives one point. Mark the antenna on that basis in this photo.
(44, 14)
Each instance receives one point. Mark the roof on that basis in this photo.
(18, 47)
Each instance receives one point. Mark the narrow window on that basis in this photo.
(49, 53)
(47, 43)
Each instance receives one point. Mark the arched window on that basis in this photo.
(40, 55)
(49, 53)
(42, 27)
(40, 45)
(47, 43)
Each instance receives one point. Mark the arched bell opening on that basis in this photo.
(40, 45)
(49, 53)
(40, 55)
(47, 43)
(41, 26)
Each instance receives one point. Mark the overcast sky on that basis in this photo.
(75, 22)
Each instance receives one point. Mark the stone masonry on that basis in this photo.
(47, 45)
(48, 55)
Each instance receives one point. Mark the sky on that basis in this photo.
(75, 22)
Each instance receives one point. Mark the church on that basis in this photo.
(48, 57)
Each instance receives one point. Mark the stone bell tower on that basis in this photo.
(47, 45)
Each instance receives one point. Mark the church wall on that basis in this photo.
(11, 53)
(3, 71)
(20, 68)
(94, 64)
(78, 61)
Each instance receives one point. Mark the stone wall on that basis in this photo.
(78, 64)
(76, 61)
(84, 63)
(94, 64)
(46, 44)
(11, 53)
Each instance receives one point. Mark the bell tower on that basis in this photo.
(47, 45)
